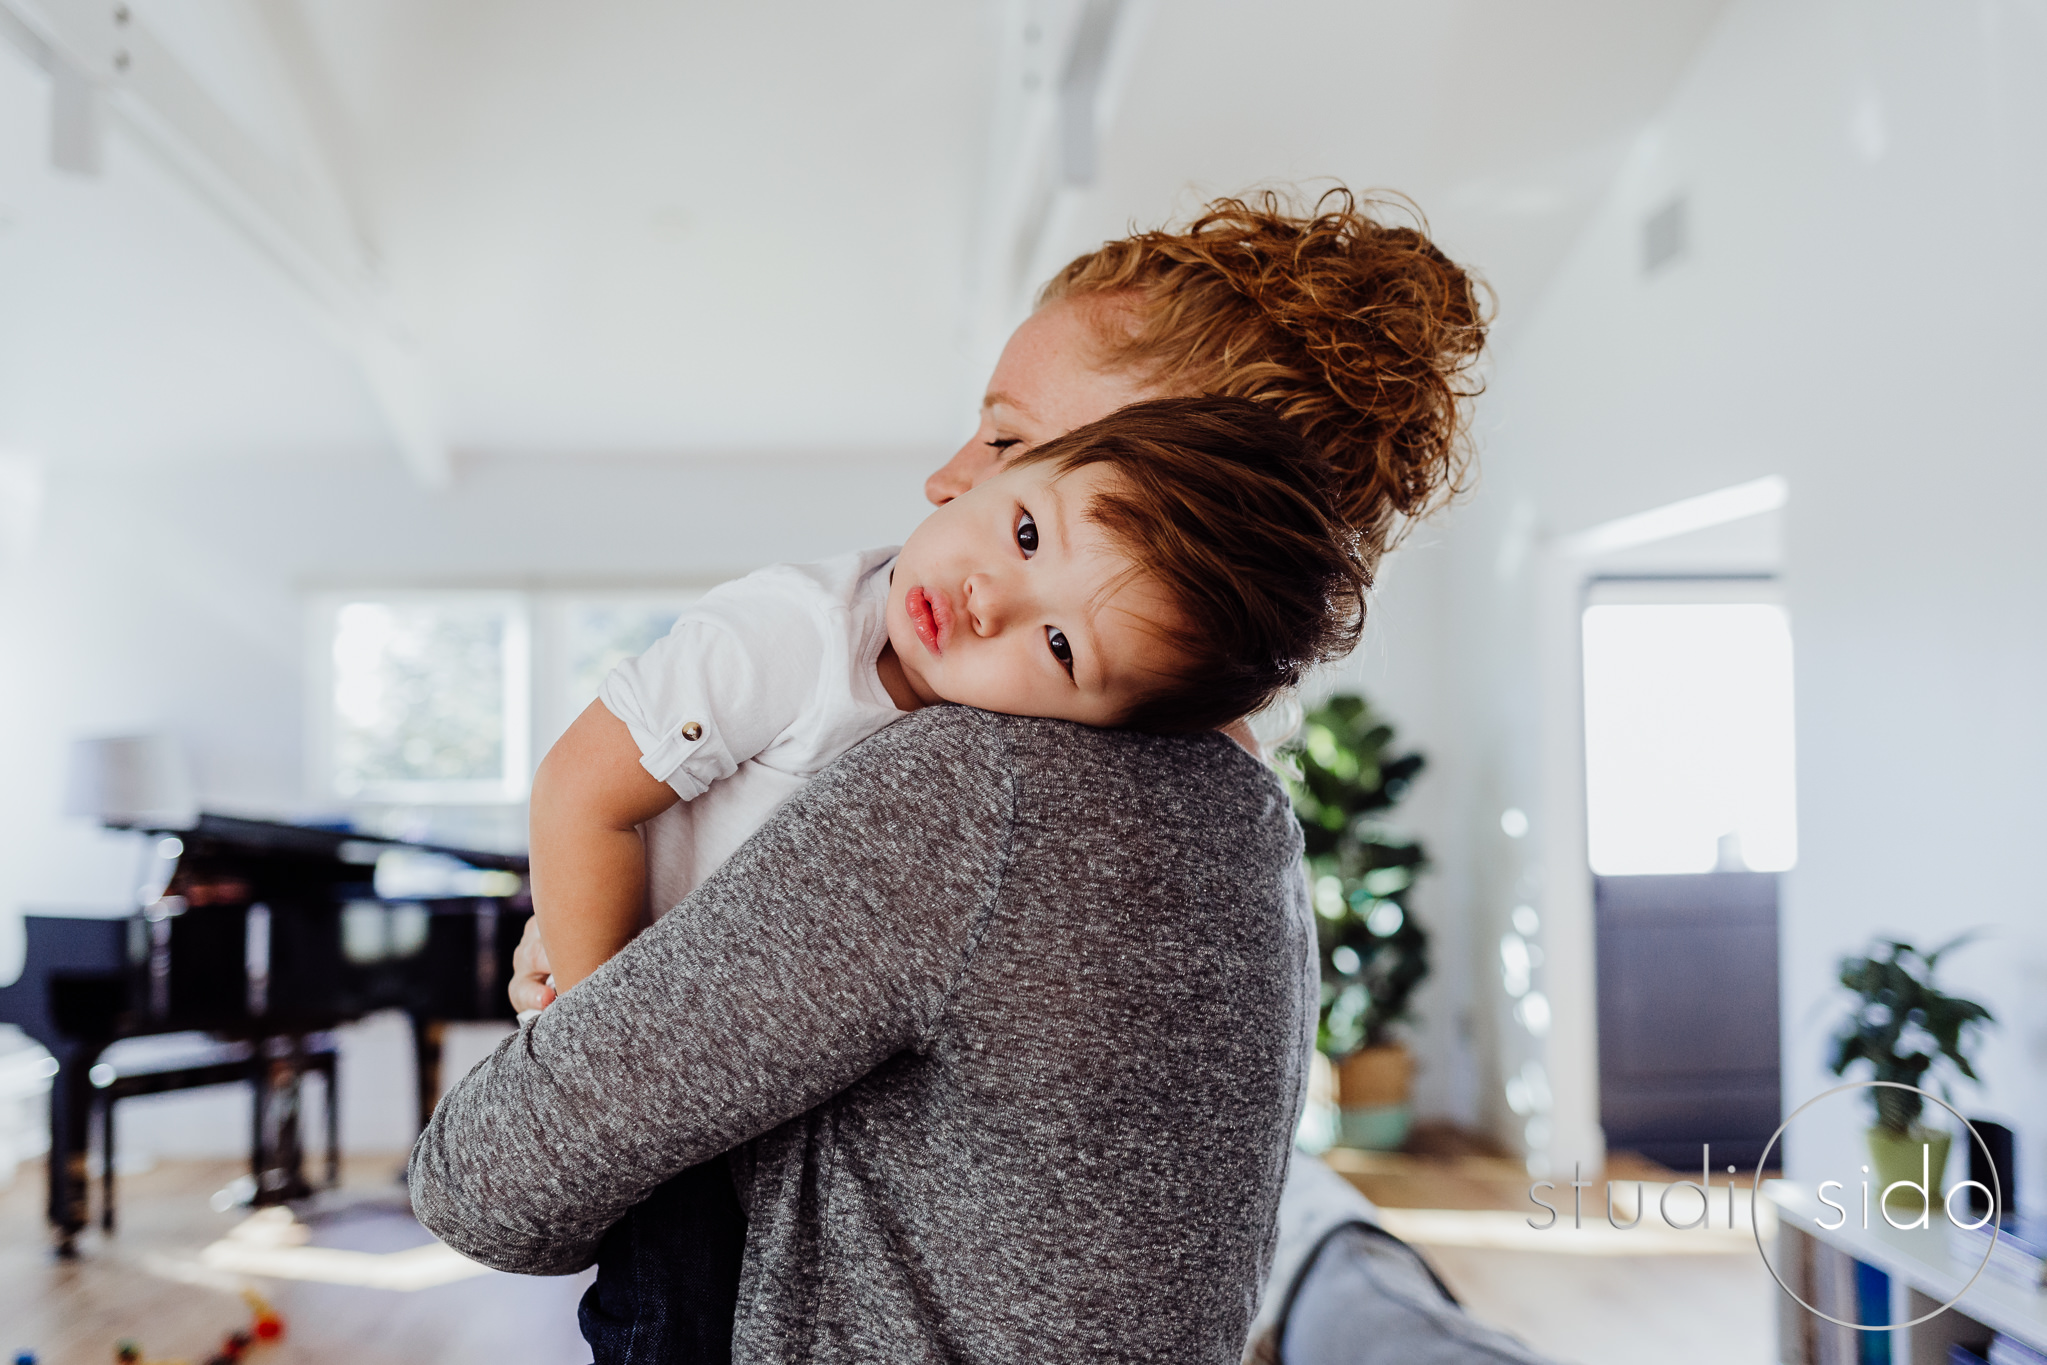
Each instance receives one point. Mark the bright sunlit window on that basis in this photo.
(449, 697)
(1688, 729)
(426, 697)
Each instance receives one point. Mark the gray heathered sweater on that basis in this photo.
(1007, 1020)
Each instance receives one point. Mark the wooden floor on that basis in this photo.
(171, 1277)
(1621, 1310)
(1604, 1308)
(154, 1282)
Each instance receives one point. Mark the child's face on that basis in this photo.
(1008, 598)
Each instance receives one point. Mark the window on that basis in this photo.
(425, 697)
(422, 697)
(1688, 727)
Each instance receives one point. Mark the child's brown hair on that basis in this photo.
(1230, 508)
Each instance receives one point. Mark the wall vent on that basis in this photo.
(1665, 236)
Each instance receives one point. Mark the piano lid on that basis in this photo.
(305, 841)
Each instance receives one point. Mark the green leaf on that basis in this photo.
(1342, 772)
(1895, 988)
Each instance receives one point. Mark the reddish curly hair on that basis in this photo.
(1357, 330)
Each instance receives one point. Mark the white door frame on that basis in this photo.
(1570, 1051)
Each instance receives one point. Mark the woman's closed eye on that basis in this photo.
(1055, 638)
(1026, 534)
(1003, 443)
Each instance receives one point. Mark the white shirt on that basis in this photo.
(759, 686)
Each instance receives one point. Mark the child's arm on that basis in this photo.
(589, 869)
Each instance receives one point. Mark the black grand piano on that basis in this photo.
(264, 936)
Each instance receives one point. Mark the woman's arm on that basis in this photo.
(589, 866)
(830, 941)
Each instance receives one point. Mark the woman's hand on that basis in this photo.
(530, 973)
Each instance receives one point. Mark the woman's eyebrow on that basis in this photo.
(998, 399)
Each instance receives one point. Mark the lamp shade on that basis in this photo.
(131, 780)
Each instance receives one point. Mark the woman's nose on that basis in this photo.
(970, 464)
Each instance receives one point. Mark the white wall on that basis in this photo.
(170, 601)
(1399, 666)
(1860, 310)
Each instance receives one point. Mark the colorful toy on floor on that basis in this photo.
(264, 1321)
(264, 1326)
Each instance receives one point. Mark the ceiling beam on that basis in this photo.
(297, 216)
(1060, 69)
(1080, 89)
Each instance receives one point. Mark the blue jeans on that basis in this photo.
(668, 1275)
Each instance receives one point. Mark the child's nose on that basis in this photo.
(990, 603)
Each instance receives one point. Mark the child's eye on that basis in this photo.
(1061, 651)
(1026, 534)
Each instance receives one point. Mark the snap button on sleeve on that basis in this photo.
(692, 731)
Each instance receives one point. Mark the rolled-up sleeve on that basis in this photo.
(738, 668)
(831, 941)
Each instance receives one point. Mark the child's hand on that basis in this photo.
(532, 985)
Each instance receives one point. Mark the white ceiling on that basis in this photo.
(643, 226)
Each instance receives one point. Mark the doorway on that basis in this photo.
(1690, 817)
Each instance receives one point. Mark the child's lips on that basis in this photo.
(930, 616)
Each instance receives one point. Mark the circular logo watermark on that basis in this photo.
(1996, 1204)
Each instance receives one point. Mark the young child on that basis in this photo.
(1171, 567)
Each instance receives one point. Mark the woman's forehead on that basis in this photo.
(1050, 342)
(1054, 374)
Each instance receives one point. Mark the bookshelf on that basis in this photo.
(1923, 1274)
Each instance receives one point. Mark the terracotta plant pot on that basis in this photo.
(1374, 1076)
(1372, 1087)
(1918, 1156)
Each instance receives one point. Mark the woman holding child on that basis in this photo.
(1002, 1016)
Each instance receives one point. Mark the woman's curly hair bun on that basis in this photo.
(1356, 328)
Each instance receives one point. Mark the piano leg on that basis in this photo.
(277, 1160)
(106, 1110)
(331, 1070)
(259, 1100)
(70, 1139)
(426, 1045)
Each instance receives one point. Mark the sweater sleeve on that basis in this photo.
(831, 941)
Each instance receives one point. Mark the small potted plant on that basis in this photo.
(1902, 1025)
(1373, 953)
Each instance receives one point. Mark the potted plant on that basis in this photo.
(1344, 775)
(1902, 1025)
